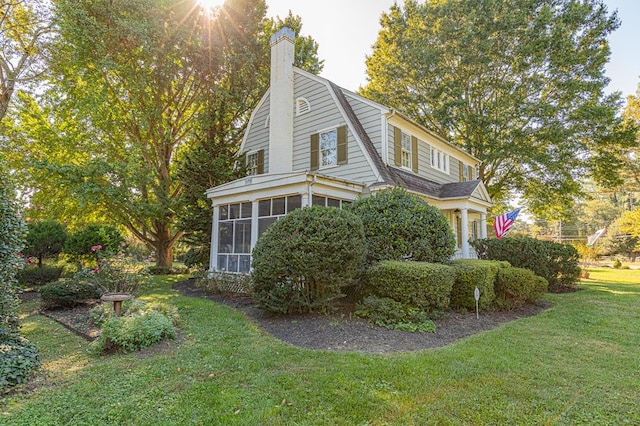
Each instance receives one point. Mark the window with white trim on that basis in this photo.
(234, 237)
(252, 163)
(406, 150)
(272, 209)
(439, 160)
(329, 148)
(320, 200)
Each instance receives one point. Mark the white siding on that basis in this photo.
(258, 137)
(325, 114)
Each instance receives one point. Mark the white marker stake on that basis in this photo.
(476, 294)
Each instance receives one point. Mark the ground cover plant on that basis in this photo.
(575, 363)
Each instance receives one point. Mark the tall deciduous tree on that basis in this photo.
(25, 27)
(517, 83)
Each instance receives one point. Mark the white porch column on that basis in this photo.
(254, 223)
(465, 233)
(213, 257)
(483, 225)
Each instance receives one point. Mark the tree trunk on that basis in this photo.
(164, 255)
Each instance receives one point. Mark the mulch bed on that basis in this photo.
(342, 331)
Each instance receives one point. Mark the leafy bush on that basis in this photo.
(426, 286)
(35, 277)
(469, 274)
(115, 274)
(104, 311)
(82, 243)
(18, 357)
(302, 261)
(557, 263)
(617, 264)
(401, 226)
(134, 332)
(45, 239)
(196, 257)
(516, 286)
(166, 270)
(390, 314)
(68, 293)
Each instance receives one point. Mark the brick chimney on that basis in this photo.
(281, 102)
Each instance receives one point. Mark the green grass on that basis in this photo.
(576, 363)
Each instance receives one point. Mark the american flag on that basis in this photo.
(503, 223)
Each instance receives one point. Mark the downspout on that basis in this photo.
(310, 194)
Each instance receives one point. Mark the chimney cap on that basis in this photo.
(284, 32)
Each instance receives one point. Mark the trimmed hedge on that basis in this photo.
(516, 286)
(472, 273)
(400, 226)
(426, 286)
(35, 276)
(67, 294)
(557, 263)
(302, 261)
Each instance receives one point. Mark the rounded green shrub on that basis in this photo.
(80, 244)
(426, 286)
(301, 262)
(45, 239)
(472, 273)
(555, 262)
(401, 226)
(134, 332)
(67, 294)
(35, 276)
(516, 286)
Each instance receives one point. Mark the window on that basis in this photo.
(255, 163)
(319, 200)
(406, 150)
(234, 237)
(272, 209)
(439, 160)
(328, 148)
(302, 106)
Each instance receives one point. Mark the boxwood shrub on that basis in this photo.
(134, 332)
(470, 273)
(557, 263)
(34, 276)
(426, 286)
(516, 286)
(67, 294)
(302, 261)
(401, 226)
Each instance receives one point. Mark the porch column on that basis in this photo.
(465, 233)
(483, 225)
(213, 256)
(254, 223)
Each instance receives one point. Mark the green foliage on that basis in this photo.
(196, 257)
(68, 293)
(302, 261)
(426, 286)
(388, 313)
(115, 274)
(84, 243)
(555, 262)
(37, 276)
(12, 231)
(470, 274)
(617, 264)
(165, 270)
(18, 357)
(516, 286)
(621, 239)
(134, 332)
(102, 312)
(45, 239)
(508, 81)
(400, 226)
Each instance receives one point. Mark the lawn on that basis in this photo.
(576, 363)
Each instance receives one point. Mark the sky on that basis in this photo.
(346, 29)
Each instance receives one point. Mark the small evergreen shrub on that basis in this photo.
(134, 332)
(426, 286)
(35, 277)
(302, 261)
(617, 264)
(469, 274)
(516, 286)
(557, 263)
(104, 311)
(82, 244)
(45, 239)
(18, 357)
(196, 257)
(401, 226)
(67, 294)
(390, 314)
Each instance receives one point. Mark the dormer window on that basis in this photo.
(302, 106)
(439, 160)
(406, 150)
(255, 163)
(328, 148)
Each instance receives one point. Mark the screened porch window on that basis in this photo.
(234, 237)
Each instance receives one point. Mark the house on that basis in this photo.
(310, 142)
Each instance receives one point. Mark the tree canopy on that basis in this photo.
(519, 84)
